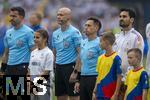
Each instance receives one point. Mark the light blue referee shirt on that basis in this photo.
(19, 41)
(90, 51)
(65, 44)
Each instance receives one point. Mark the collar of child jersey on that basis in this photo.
(137, 69)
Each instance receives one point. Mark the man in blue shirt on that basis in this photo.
(66, 46)
(19, 42)
(89, 53)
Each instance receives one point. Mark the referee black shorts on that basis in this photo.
(62, 75)
(87, 84)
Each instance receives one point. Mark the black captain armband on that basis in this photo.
(75, 71)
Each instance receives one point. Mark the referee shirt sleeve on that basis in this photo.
(53, 41)
(77, 39)
(30, 39)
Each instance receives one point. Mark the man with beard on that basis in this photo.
(19, 42)
(127, 39)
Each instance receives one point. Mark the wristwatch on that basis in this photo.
(75, 71)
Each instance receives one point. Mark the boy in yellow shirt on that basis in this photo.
(137, 78)
(109, 71)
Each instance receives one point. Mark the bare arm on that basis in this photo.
(95, 88)
(94, 92)
(46, 72)
(5, 56)
(77, 69)
(78, 62)
(144, 95)
(119, 77)
(116, 93)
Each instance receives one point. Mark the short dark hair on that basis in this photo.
(96, 22)
(109, 36)
(131, 12)
(43, 33)
(137, 51)
(20, 11)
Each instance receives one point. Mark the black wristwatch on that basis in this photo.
(75, 71)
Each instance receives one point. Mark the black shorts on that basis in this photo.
(87, 84)
(20, 69)
(62, 75)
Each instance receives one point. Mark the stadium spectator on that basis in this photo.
(35, 21)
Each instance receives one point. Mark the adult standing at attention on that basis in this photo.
(19, 42)
(128, 38)
(66, 47)
(89, 53)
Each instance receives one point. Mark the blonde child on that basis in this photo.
(137, 79)
(109, 71)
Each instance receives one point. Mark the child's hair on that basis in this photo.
(44, 34)
(137, 51)
(38, 15)
(109, 36)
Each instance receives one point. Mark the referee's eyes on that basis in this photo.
(35, 37)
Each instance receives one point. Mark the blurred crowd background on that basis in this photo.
(106, 10)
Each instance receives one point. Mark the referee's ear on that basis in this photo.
(96, 28)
